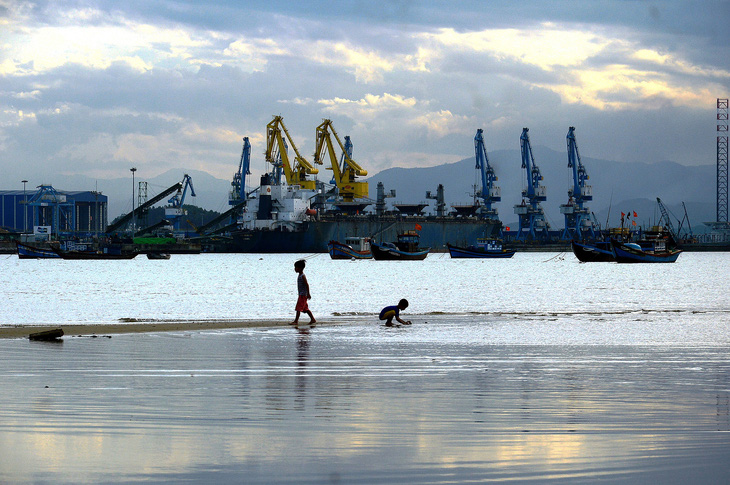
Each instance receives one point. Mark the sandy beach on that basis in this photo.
(24, 331)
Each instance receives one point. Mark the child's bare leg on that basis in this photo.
(296, 319)
(312, 320)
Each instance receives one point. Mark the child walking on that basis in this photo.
(303, 290)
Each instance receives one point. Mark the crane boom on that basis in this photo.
(139, 210)
(665, 216)
(277, 153)
(490, 192)
(238, 194)
(344, 174)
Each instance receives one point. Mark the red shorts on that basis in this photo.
(302, 304)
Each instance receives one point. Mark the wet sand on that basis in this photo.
(434, 402)
(152, 326)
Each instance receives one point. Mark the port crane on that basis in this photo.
(175, 211)
(238, 193)
(277, 154)
(665, 215)
(578, 221)
(490, 192)
(532, 222)
(345, 171)
(139, 210)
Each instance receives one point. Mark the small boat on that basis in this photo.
(593, 252)
(103, 253)
(636, 253)
(158, 255)
(485, 248)
(406, 249)
(26, 251)
(352, 248)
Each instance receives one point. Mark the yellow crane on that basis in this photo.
(345, 176)
(277, 155)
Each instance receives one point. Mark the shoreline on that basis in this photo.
(91, 329)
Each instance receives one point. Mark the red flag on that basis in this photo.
(635, 214)
(633, 223)
(418, 227)
(622, 215)
(506, 228)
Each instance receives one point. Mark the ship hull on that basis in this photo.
(313, 236)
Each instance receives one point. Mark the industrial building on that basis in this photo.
(59, 212)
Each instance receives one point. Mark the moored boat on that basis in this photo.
(635, 253)
(405, 249)
(593, 252)
(484, 248)
(26, 251)
(352, 248)
(103, 253)
(158, 255)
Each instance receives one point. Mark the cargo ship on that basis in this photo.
(283, 218)
(290, 212)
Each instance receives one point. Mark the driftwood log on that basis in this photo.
(53, 334)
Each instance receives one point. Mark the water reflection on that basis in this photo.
(314, 405)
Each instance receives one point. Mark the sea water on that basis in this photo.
(537, 369)
(540, 286)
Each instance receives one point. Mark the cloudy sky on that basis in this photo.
(95, 87)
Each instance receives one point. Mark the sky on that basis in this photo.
(97, 87)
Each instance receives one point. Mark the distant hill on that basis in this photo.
(616, 185)
(620, 186)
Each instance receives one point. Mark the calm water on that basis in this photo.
(533, 370)
(543, 286)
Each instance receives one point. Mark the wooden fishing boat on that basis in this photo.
(352, 248)
(593, 252)
(405, 249)
(484, 248)
(636, 253)
(158, 255)
(103, 253)
(26, 251)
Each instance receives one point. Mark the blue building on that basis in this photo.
(66, 212)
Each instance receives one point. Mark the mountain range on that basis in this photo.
(617, 187)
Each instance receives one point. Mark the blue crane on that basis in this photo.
(490, 192)
(175, 211)
(343, 166)
(531, 215)
(238, 194)
(578, 221)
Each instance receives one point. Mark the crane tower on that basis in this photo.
(490, 192)
(578, 221)
(533, 225)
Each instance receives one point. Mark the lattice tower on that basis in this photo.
(722, 168)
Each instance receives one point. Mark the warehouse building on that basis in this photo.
(61, 212)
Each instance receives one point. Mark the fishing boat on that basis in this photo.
(593, 252)
(352, 248)
(484, 248)
(405, 249)
(158, 255)
(26, 251)
(102, 253)
(636, 253)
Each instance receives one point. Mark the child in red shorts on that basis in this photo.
(303, 290)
